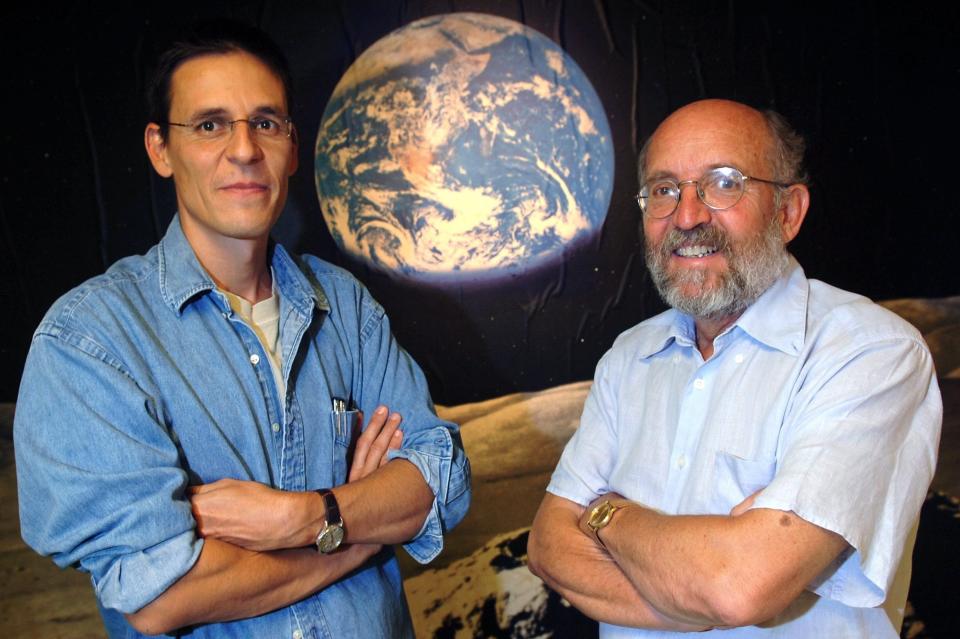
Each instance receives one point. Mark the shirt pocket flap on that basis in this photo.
(736, 478)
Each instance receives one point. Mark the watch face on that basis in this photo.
(330, 539)
(600, 516)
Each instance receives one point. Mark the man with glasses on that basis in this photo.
(755, 458)
(186, 427)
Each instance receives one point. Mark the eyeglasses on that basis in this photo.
(719, 188)
(215, 128)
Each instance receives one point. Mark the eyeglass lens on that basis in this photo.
(718, 188)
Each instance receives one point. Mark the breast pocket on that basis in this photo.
(735, 479)
(344, 425)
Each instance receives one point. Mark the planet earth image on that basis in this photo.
(463, 147)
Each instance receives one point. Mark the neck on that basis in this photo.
(708, 329)
(235, 265)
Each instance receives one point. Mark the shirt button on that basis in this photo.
(738, 359)
(699, 383)
(297, 634)
(676, 359)
(254, 359)
(275, 427)
(681, 461)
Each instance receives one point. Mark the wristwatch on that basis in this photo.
(331, 535)
(600, 516)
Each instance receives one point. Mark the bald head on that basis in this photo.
(764, 138)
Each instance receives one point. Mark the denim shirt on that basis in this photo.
(142, 381)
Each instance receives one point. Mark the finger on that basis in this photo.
(395, 443)
(198, 517)
(382, 443)
(744, 505)
(369, 434)
(378, 448)
(365, 441)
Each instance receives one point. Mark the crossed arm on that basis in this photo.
(679, 572)
(253, 558)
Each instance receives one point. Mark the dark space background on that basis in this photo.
(873, 87)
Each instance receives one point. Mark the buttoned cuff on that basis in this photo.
(445, 469)
(134, 580)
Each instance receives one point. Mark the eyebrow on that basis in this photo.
(669, 175)
(220, 112)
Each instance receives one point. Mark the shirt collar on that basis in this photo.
(778, 319)
(665, 329)
(182, 278)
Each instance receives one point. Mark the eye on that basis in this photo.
(726, 183)
(663, 190)
(210, 127)
(724, 180)
(265, 126)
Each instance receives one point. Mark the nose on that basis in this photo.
(242, 146)
(691, 211)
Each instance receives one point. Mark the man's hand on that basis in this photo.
(257, 517)
(582, 572)
(245, 513)
(381, 435)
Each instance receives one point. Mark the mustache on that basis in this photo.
(704, 234)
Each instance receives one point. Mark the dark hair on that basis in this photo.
(221, 36)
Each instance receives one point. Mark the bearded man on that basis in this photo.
(754, 459)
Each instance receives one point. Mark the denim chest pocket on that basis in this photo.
(343, 424)
(735, 479)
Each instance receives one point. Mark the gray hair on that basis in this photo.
(787, 152)
(788, 149)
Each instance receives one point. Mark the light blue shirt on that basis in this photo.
(142, 381)
(824, 400)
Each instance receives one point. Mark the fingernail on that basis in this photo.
(381, 410)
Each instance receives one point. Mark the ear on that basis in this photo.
(794, 202)
(157, 150)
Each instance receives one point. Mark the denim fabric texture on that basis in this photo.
(825, 402)
(142, 381)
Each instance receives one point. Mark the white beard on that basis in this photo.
(752, 267)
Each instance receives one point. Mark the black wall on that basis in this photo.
(873, 89)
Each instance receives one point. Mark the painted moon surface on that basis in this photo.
(463, 147)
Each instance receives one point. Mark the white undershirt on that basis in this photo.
(264, 319)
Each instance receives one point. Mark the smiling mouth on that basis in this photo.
(245, 186)
(697, 250)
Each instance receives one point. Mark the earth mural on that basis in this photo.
(463, 147)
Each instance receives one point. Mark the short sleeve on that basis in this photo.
(391, 377)
(586, 463)
(99, 480)
(857, 455)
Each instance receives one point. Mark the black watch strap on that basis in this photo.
(331, 506)
(331, 535)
